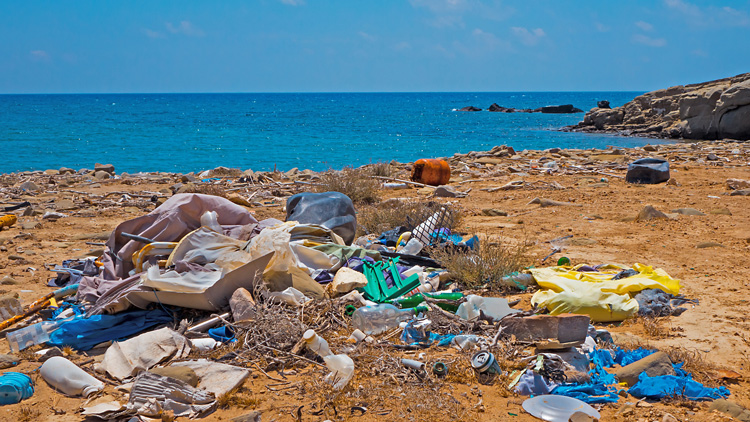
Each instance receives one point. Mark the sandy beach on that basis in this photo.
(705, 252)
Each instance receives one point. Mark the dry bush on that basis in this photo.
(354, 183)
(381, 168)
(204, 188)
(694, 364)
(225, 172)
(486, 266)
(388, 215)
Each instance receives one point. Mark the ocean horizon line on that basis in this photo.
(316, 92)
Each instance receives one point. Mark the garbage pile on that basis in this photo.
(189, 300)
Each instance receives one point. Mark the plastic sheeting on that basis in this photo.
(128, 358)
(333, 210)
(596, 293)
(83, 333)
(293, 261)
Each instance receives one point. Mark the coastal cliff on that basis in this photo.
(717, 109)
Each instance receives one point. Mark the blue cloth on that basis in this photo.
(600, 388)
(656, 388)
(82, 333)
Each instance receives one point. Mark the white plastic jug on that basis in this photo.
(65, 376)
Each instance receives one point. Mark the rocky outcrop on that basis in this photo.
(556, 109)
(470, 108)
(717, 109)
(560, 109)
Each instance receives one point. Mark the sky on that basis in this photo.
(166, 46)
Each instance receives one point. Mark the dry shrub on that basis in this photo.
(239, 397)
(486, 266)
(354, 183)
(381, 168)
(205, 189)
(225, 172)
(390, 214)
(693, 363)
(29, 413)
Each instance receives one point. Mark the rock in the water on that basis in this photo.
(716, 109)
(29, 186)
(561, 109)
(687, 211)
(653, 365)
(650, 213)
(496, 108)
(242, 305)
(108, 168)
(493, 212)
(469, 108)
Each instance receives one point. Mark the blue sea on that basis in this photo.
(193, 132)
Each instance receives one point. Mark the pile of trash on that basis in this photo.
(187, 300)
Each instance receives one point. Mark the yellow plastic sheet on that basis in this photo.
(595, 293)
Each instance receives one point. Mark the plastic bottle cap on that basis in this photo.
(309, 335)
(482, 360)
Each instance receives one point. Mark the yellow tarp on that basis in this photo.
(595, 293)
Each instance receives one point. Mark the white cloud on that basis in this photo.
(651, 42)
(152, 34)
(699, 53)
(366, 36)
(293, 2)
(735, 17)
(39, 56)
(684, 7)
(185, 28)
(601, 27)
(645, 26)
(528, 37)
(402, 46)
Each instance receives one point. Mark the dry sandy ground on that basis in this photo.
(602, 229)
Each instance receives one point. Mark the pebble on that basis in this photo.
(8, 281)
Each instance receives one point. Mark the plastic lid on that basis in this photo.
(482, 360)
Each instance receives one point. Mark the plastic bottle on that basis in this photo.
(382, 317)
(423, 232)
(30, 336)
(519, 280)
(67, 377)
(341, 366)
(412, 247)
(412, 301)
(14, 387)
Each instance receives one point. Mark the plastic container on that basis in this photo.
(30, 336)
(431, 171)
(412, 247)
(8, 220)
(648, 171)
(423, 232)
(415, 300)
(14, 387)
(65, 376)
(556, 408)
(341, 366)
(382, 317)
